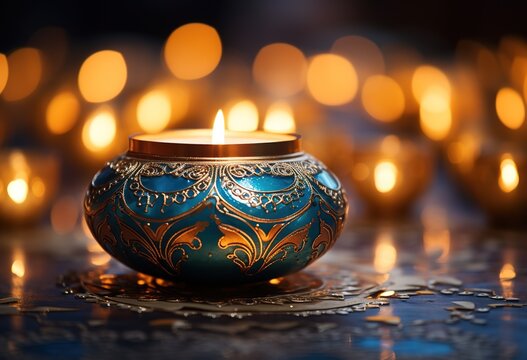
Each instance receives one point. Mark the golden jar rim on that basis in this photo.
(166, 145)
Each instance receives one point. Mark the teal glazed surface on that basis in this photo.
(226, 221)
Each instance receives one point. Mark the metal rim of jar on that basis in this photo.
(144, 148)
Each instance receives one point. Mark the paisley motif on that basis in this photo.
(247, 220)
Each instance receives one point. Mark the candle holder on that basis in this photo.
(28, 181)
(494, 176)
(389, 174)
(207, 213)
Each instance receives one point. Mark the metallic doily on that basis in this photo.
(321, 289)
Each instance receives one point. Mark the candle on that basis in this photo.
(215, 206)
(28, 181)
(215, 143)
(493, 176)
(389, 174)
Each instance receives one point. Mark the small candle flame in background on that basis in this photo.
(385, 176)
(18, 188)
(509, 178)
(279, 118)
(18, 268)
(218, 129)
(100, 130)
(243, 116)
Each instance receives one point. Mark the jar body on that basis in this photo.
(222, 221)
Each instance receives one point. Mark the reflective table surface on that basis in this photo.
(438, 292)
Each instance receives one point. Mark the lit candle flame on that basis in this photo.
(99, 130)
(18, 268)
(17, 190)
(509, 178)
(385, 176)
(218, 129)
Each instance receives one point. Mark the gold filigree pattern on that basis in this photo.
(147, 198)
(246, 254)
(323, 241)
(159, 251)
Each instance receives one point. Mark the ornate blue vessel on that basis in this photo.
(174, 211)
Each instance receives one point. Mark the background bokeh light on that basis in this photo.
(102, 76)
(193, 51)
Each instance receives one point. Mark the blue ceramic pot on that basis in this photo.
(222, 220)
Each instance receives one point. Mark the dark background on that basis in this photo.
(246, 25)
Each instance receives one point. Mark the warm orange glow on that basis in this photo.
(64, 214)
(100, 259)
(435, 114)
(383, 98)
(385, 176)
(274, 281)
(25, 73)
(99, 130)
(363, 53)
(437, 243)
(4, 72)
(436, 233)
(390, 145)
(243, 116)
(102, 76)
(218, 129)
(154, 111)
(510, 108)
(62, 112)
(331, 79)
(193, 51)
(427, 77)
(507, 272)
(361, 171)
(280, 69)
(518, 71)
(279, 118)
(464, 150)
(38, 188)
(509, 177)
(507, 275)
(385, 256)
(17, 190)
(18, 268)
